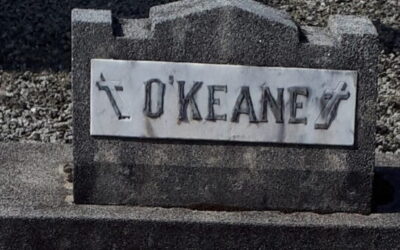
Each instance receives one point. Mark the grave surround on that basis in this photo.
(224, 175)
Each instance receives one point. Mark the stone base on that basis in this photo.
(35, 213)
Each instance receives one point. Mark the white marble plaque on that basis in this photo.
(147, 99)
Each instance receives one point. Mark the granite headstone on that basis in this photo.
(223, 105)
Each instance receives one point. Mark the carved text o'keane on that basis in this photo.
(266, 97)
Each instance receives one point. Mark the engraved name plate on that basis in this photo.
(148, 99)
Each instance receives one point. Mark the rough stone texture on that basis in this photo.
(34, 215)
(229, 175)
(31, 174)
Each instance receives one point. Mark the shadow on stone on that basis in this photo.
(389, 37)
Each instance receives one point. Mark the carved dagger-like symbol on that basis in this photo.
(329, 104)
(111, 97)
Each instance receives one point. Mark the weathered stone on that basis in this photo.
(219, 174)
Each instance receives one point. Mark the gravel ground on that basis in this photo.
(35, 88)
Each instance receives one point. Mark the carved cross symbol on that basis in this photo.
(329, 104)
(111, 97)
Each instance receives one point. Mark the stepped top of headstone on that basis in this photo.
(183, 9)
(233, 12)
(91, 16)
(341, 24)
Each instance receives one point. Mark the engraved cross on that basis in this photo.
(102, 85)
(329, 104)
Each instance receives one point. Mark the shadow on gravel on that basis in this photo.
(388, 36)
(386, 194)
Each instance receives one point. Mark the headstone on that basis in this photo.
(223, 105)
